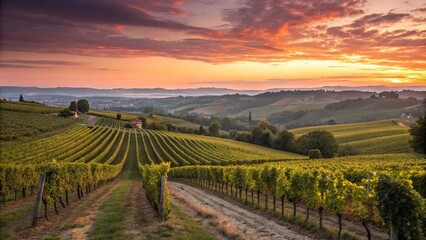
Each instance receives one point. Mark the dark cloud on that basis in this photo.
(422, 10)
(95, 12)
(7, 65)
(262, 31)
(270, 17)
(377, 19)
(42, 62)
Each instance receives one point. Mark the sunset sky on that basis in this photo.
(238, 44)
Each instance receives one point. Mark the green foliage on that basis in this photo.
(201, 130)
(21, 98)
(60, 177)
(28, 107)
(83, 105)
(418, 133)
(73, 106)
(65, 113)
(401, 206)
(262, 134)
(118, 117)
(318, 139)
(346, 186)
(14, 125)
(214, 128)
(284, 140)
(151, 178)
(314, 154)
(347, 150)
(378, 137)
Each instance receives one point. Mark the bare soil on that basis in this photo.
(140, 213)
(82, 224)
(247, 224)
(21, 225)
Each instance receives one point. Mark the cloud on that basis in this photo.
(132, 13)
(258, 31)
(377, 19)
(42, 62)
(20, 66)
(271, 18)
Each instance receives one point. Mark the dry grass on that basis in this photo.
(224, 226)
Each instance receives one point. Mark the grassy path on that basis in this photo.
(127, 214)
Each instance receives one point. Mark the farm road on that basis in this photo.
(249, 225)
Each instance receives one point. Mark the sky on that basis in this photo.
(240, 44)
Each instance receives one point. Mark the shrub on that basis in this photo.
(314, 154)
(65, 113)
(128, 125)
(417, 131)
(347, 150)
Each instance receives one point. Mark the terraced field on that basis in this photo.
(368, 138)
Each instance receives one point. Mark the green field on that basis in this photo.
(14, 125)
(28, 107)
(376, 137)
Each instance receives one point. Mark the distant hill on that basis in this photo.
(285, 108)
(11, 92)
(350, 110)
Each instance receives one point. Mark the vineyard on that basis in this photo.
(14, 125)
(28, 107)
(109, 122)
(355, 188)
(83, 158)
(377, 137)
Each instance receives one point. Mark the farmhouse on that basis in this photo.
(137, 123)
(74, 114)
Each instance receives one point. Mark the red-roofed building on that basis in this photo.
(137, 123)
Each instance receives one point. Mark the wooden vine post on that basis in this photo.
(40, 192)
(161, 207)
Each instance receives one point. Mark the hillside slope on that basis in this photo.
(377, 137)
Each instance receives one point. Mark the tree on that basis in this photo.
(250, 118)
(118, 116)
(389, 95)
(319, 139)
(417, 131)
(284, 140)
(314, 154)
(331, 122)
(21, 98)
(65, 113)
(263, 132)
(214, 128)
(201, 130)
(83, 106)
(73, 106)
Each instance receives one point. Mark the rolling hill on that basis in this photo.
(386, 136)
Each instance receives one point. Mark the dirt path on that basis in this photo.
(198, 213)
(248, 225)
(83, 223)
(140, 213)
